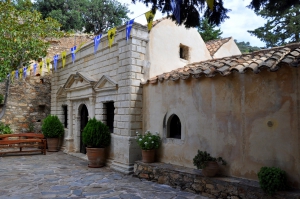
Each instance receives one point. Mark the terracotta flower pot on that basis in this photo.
(211, 169)
(148, 156)
(52, 144)
(96, 157)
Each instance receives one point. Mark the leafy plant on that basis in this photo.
(31, 127)
(201, 159)
(272, 179)
(1, 98)
(5, 129)
(96, 134)
(52, 127)
(148, 141)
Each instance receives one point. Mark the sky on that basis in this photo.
(241, 19)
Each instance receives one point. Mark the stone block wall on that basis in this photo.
(192, 180)
(28, 102)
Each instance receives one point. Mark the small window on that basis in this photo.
(174, 127)
(65, 112)
(110, 114)
(183, 52)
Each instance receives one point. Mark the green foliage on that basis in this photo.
(208, 31)
(5, 129)
(272, 179)
(1, 99)
(245, 47)
(203, 157)
(103, 15)
(94, 15)
(22, 36)
(52, 127)
(31, 127)
(96, 134)
(148, 141)
(281, 27)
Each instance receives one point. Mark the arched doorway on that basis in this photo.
(83, 121)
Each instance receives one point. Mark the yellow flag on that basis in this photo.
(63, 58)
(20, 73)
(48, 64)
(111, 36)
(41, 67)
(210, 4)
(12, 76)
(149, 17)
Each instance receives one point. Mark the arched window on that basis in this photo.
(174, 127)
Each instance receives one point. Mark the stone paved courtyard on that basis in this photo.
(58, 175)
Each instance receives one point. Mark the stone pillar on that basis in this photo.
(70, 137)
(92, 107)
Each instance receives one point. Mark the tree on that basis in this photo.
(67, 13)
(102, 15)
(189, 9)
(23, 36)
(280, 28)
(208, 31)
(245, 47)
(94, 15)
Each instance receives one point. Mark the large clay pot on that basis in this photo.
(52, 144)
(96, 157)
(148, 156)
(211, 169)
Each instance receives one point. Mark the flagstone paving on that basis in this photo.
(59, 175)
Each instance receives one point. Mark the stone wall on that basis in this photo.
(28, 102)
(192, 180)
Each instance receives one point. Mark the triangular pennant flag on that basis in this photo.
(48, 64)
(128, 28)
(20, 73)
(149, 17)
(12, 76)
(24, 72)
(63, 58)
(97, 42)
(34, 69)
(17, 74)
(73, 51)
(55, 58)
(175, 4)
(111, 35)
(210, 4)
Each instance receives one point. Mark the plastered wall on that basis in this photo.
(251, 120)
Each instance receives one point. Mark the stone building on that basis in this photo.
(106, 84)
(243, 108)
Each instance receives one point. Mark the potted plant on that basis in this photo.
(207, 163)
(148, 143)
(96, 137)
(53, 129)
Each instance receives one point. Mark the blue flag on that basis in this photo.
(175, 4)
(97, 42)
(24, 72)
(34, 68)
(73, 50)
(55, 58)
(128, 28)
(17, 74)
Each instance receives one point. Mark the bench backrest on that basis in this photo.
(26, 135)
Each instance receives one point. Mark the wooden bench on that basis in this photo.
(31, 142)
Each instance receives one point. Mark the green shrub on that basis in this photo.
(52, 127)
(1, 98)
(96, 134)
(5, 129)
(203, 157)
(272, 179)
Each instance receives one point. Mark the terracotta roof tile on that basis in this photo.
(214, 45)
(271, 59)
